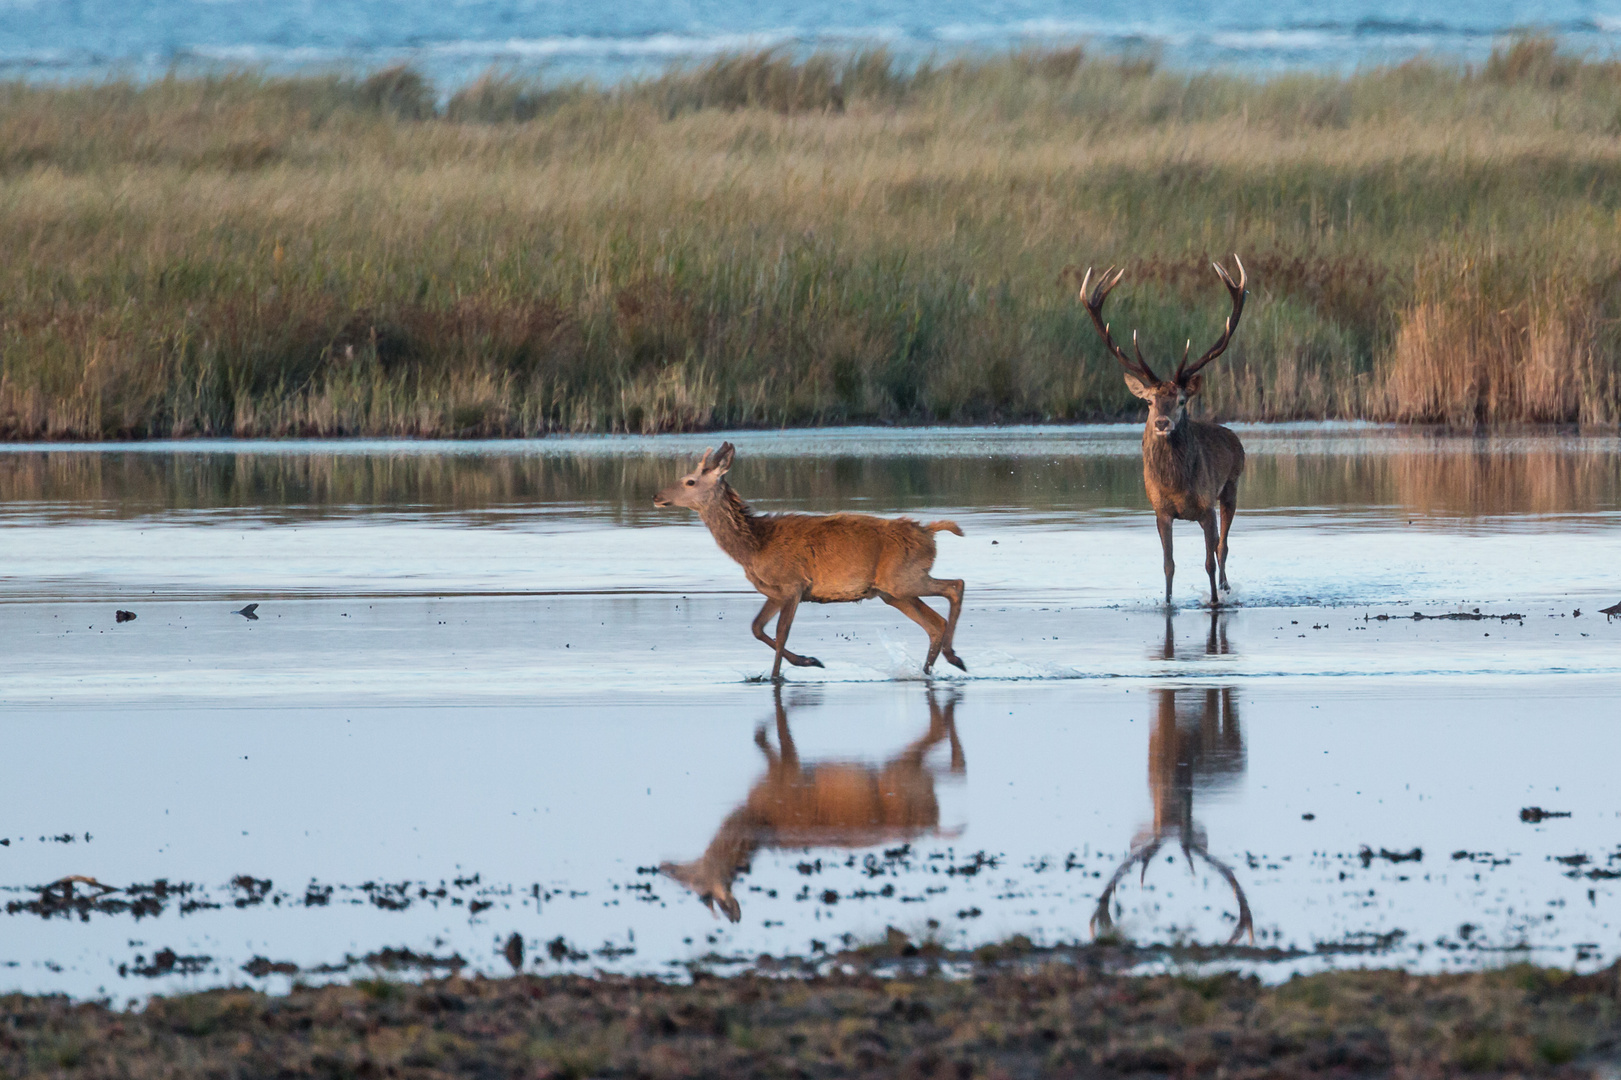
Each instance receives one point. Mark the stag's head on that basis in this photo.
(1167, 398)
(708, 884)
(702, 484)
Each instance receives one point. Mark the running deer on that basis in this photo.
(824, 804)
(1194, 750)
(1189, 466)
(822, 559)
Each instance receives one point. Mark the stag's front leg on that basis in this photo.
(772, 606)
(1164, 522)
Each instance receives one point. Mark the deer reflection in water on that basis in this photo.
(843, 804)
(1196, 745)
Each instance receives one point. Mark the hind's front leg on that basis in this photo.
(771, 608)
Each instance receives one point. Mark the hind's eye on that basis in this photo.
(692, 483)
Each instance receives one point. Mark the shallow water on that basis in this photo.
(490, 690)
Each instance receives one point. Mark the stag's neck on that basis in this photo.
(1175, 458)
(739, 531)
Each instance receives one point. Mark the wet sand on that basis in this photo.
(478, 702)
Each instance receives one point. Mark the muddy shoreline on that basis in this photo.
(892, 1010)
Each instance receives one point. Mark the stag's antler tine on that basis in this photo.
(1246, 921)
(1094, 306)
(1147, 854)
(1100, 914)
(1236, 291)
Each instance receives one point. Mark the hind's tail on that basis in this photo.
(943, 526)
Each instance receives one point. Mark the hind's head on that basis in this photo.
(702, 484)
(715, 890)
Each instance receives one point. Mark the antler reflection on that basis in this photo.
(1202, 749)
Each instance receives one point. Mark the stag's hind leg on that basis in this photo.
(1208, 523)
(1229, 507)
(772, 606)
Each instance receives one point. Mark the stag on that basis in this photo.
(1189, 466)
(1194, 750)
(826, 804)
(822, 559)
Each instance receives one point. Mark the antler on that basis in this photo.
(1102, 921)
(1100, 914)
(1246, 922)
(1094, 306)
(1235, 290)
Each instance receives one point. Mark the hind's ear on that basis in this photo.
(703, 462)
(723, 458)
(685, 873)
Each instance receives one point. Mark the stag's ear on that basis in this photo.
(1194, 384)
(1138, 387)
(723, 459)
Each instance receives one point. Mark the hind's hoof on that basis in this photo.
(807, 661)
(955, 661)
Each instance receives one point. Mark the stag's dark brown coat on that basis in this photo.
(1190, 467)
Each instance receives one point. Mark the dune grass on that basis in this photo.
(765, 241)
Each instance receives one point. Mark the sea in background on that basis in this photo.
(455, 40)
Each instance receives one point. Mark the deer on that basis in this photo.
(1188, 751)
(840, 804)
(822, 559)
(1190, 467)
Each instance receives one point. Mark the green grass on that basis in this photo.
(762, 241)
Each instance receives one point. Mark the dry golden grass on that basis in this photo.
(764, 242)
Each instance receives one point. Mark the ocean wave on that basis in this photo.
(651, 45)
(185, 32)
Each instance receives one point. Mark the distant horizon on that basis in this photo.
(95, 40)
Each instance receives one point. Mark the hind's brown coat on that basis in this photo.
(823, 559)
(825, 804)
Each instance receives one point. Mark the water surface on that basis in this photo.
(490, 690)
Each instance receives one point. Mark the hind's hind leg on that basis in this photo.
(920, 613)
(952, 589)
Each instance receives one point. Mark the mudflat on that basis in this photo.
(1047, 1019)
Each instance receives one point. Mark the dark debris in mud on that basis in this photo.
(1535, 814)
(1453, 616)
(1046, 1019)
(1367, 855)
(83, 897)
(165, 962)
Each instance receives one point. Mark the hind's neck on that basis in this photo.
(738, 530)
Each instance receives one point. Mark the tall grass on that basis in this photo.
(764, 240)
